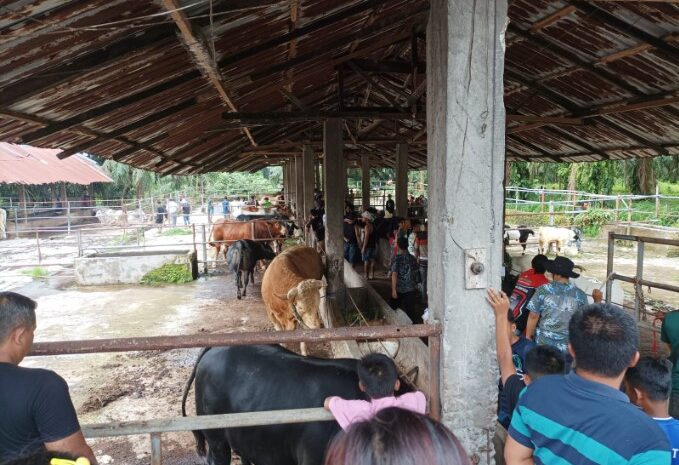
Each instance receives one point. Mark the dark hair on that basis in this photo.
(397, 437)
(15, 310)
(653, 376)
(604, 339)
(544, 360)
(538, 263)
(378, 374)
(402, 243)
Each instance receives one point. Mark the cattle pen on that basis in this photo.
(155, 427)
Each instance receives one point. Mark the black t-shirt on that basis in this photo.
(349, 231)
(390, 206)
(35, 408)
(509, 397)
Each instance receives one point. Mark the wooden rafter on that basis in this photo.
(552, 18)
(201, 55)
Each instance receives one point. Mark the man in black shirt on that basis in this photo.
(36, 412)
(390, 206)
(540, 361)
(350, 236)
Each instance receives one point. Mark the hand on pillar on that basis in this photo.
(499, 301)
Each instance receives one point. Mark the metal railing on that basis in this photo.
(638, 278)
(155, 427)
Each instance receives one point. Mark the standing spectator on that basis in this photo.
(172, 211)
(225, 207)
(369, 246)
(161, 213)
(421, 256)
(37, 412)
(521, 362)
(210, 210)
(525, 287)
(553, 305)
(583, 417)
(404, 279)
(669, 334)
(186, 211)
(649, 385)
(315, 223)
(390, 206)
(350, 235)
(397, 437)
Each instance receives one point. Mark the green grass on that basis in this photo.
(168, 274)
(176, 232)
(36, 272)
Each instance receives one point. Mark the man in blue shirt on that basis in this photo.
(648, 386)
(553, 304)
(225, 206)
(583, 417)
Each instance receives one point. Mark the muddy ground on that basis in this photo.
(142, 385)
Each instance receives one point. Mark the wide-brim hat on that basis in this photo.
(561, 266)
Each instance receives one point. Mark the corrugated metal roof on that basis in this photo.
(114, 76)
(23, 164)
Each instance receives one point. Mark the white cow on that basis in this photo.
(560, 237)
(3, 224)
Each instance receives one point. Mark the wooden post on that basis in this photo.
(657, 200)
(37, 241)
(335, 179)
(401, 180)
(542, 201)
(629, 216)
(22, 202)
(68, 216)
(309, 173)
(465, 157)
(617, 206)
(299, 186)
(365, 180)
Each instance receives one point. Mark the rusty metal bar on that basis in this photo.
(643, 282)
(156, 451)
(648, 240)
(227, 420)
(435, 376)
(639, 276)
(246, 338)
(609, 267)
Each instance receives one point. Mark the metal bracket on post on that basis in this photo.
(475, 269)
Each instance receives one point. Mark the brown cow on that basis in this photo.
(291, 289)
(225, 232)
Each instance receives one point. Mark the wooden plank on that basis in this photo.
(551, 19)
(628, 52)
(545, 119)
(622, 108)
(319, 115)
(202, 57)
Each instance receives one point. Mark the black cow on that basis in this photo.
(259, 378)
(242, 256)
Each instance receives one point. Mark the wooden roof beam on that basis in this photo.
(552, 18)
(318, 115)
(202, 56)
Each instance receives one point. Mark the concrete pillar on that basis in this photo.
(299, 186)
(465, 135)
(335, 178)
(365, 181)
(401, 180)
(309, 174)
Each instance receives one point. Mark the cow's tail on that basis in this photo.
(197, 434)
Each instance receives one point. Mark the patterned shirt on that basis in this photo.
(555, 303)
(405, 266)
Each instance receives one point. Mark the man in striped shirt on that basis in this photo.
(583, 418)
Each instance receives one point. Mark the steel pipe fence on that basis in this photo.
(155, 427)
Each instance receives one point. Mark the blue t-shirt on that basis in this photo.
(519, 350)
(225, 206)
(35, 408)
(507, 398)
(555, 303)
(671, 428)
(567, 419)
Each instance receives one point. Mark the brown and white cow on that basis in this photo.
(291, 290)
(225, 232)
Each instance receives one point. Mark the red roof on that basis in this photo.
(23, 164)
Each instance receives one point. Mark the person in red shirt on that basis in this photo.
(526, 285)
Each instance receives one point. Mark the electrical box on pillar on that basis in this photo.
(475, 269)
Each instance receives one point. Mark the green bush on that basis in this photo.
(591, 221)
(168, 274)
(36, 272)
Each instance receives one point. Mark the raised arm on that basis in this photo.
(500, 303)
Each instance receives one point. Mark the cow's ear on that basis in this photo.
(292, 294)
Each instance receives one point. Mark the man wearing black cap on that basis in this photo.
(553, 305)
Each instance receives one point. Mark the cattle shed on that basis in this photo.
(458, 87)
